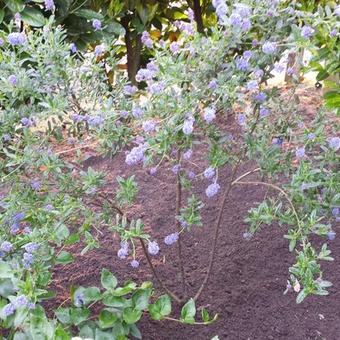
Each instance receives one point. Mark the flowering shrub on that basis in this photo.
(176, 115)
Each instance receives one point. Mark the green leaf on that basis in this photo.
(108, 280)
(140, 298)
(78, 315)
(205, 315)
(2, 15)
(114, 301)
(15, 5)
(88, 14)
(5, 271)
(134, 331)
(63, 315)
(301, 296)
(6, 287)
(128, 288)
(32, 17)
(64, 257)
(102, 335)
(107, 319)
(188, 312)
(161, 308)
(131, 315)
(91, 294)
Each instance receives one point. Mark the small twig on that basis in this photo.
(178, 225)
(168, 291)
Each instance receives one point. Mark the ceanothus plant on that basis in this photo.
(194, 83)
(175, 117)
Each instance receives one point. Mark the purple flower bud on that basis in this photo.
(187, 154)
(247, 236)
(279, 68)
(269, 47)
(123, 114)
(31, 247)
(144, 74)
(336, 211)
(290, 71)
(49, 5)
(333, 33)
(247, 54)
(14, 228)
(79, 299)
(171, 239)
(191, 174)
(242, 64)
(209, 172)
(6, 246)
(246, 25)
(153, 171)
(73, 47)
(252, 85)
(188, 126)
(258, 73)
(241, 119)
(16, 38)
(212, 190)
(8, 309)
(27, 122)
(277, 141)
(334, 143)
(18, 217)
(153, 248)
(28, 259)
(95, 121)
(212, 84)
(260, 97)
(35, 185)
(155, 88)
(209, 114)
(174, 47)
(254, 43)
(134, 264)
(123, 253)
(331, 235)
(149, 125)
(96, 24)
(137, 112)
(235, 20)
(311, 136)
(12, 79)
(20, 301)
(300, 152)
(99, 50)
(176, 168)
(146, 39)
(307, 32)
(135, 155)
(264, 112)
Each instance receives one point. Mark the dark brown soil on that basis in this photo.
(249, 277)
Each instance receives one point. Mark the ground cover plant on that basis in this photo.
(174, 119)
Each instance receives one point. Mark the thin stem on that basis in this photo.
(173, 295)
(216, 230)
(178, 225)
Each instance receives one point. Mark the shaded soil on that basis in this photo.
(249, 278)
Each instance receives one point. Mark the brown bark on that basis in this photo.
(198, 15)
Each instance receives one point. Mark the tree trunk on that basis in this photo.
(133, 50)
(198, 15)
